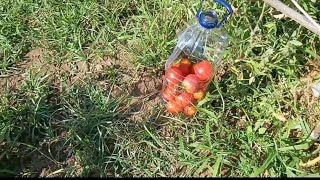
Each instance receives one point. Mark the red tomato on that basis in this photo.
(185, 66)
(190, 111)
(192, 69)
(204, 70)
(199, 95)
(186, 61)
(204, 89)
(173, 107)
(202, 84)
(174, 75)
(176, 65)
(185, 99)
(173, 88)
(168, 95)
(191, 83)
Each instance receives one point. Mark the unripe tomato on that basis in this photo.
(199, 95)
(185, 99)
(191, 83)
(168, 94)
(173, 107)
(185, 66)
(190, 111)
(174, 75)
(204, 70)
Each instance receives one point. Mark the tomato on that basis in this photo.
(186, 61)
(204, 70)
(185, 66)
(174, 75)
(190, 111)
(185, 99)
(204, 89)
(172, 87)
(203, 85)
(168, 94)
(173, 107)
(176, 65)
(191, 83)
(199, 95)
(192, 68)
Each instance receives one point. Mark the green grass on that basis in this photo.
(267, 58)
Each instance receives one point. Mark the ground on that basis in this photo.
(80, 85)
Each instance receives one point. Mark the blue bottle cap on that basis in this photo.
(208, 19)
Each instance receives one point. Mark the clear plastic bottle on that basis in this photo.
(199, 45)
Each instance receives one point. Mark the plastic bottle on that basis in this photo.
(200, 45)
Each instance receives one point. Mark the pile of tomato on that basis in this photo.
(186, 84)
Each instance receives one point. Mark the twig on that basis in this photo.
(306, 14)
(299, 18)
(316, 151)
(310, 163)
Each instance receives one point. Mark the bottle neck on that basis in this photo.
(208, 19)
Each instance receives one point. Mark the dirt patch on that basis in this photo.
(33, 62)
(304, 96)
(49, 158)
(36, 64)
(10, 82)
(223, 71)
(139, 90)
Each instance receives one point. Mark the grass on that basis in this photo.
(244, 126)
